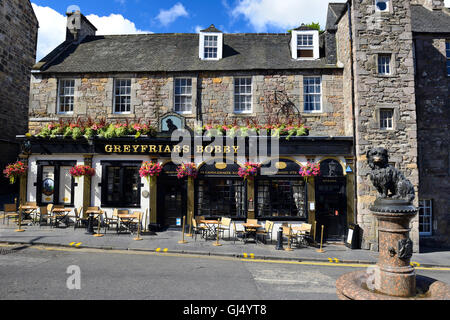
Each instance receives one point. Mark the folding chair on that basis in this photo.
(267, 232)
(225, 225)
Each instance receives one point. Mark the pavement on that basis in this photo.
(168, 242)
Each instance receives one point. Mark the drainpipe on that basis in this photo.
(352, 75)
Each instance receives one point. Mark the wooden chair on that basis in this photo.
(267, 232)
(44, 215)
(10, 211)
(78, 218)
(225, 225)
(27, 212)
(111, 221)
(196, 229)
(238, 232)
(287, 232)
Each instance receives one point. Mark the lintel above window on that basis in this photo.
(305, 43)
(211, 44)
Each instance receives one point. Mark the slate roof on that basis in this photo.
(427, 21)
(174, 53)
(334, 14)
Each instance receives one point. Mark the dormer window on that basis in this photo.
(211, 44)
(305, 43)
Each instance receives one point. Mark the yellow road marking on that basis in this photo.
(71, 244)
(245, 255)
(307, 263)
(158, 250)
(165, 250)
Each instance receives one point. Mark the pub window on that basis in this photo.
(243, 95)
(122, 95)
(425, 217)
(221, 198)
(280, 198)
(183, 95)
(312, 89)
(121, 185)
(447, 52)
(386, 119)
(66, 94)
(55, 185)
(384, 64)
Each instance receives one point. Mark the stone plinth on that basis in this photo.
(394, 275)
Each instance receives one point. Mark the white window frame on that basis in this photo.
(447, 52)
(175, 95)
(121, 95)
(426, 211)
(384, 64)
(305, 94)
(219, 36)
(384, 121)
(388, 6)
(242, 94)
(314, 47)
(64, 95)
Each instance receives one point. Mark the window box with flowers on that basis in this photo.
(14, 171)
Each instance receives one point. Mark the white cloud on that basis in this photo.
(198, 29)
(52, 27)
(283, 15)
(166, 17)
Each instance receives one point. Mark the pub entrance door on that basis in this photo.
(172, 202)
(331, 208)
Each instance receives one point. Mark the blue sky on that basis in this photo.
(181, 16)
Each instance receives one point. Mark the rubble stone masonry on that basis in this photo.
(18, 38)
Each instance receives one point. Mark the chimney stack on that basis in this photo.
(78, 27)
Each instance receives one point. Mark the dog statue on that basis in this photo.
(386, 178)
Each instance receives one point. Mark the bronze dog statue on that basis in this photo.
(386, 178)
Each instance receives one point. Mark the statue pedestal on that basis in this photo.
(394, 275)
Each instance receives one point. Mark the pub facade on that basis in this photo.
(114, 102)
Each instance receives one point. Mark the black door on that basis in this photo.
(171, 201)
(331, 208)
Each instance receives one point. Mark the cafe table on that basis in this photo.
(127, 219)
(90, 226)
(27, 210)
(250, 230)
(212, 227)
(60, 214)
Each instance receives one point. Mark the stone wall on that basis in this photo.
(152, 96)
(374, 34)
(18, 37)
(433, 125)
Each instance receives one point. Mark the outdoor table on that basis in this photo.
(250, 230)
(127, 219)
(90, 226)
(60, 214)
(211, 225)
(27, 210)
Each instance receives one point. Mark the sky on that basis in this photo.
(176, 16)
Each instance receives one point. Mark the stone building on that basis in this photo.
(18, 40)
(377, 76)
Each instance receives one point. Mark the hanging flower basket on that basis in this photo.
(14, 171)
(250, 170)
(82, 171)
(187, 170)
(150, 169)
(310, 170)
